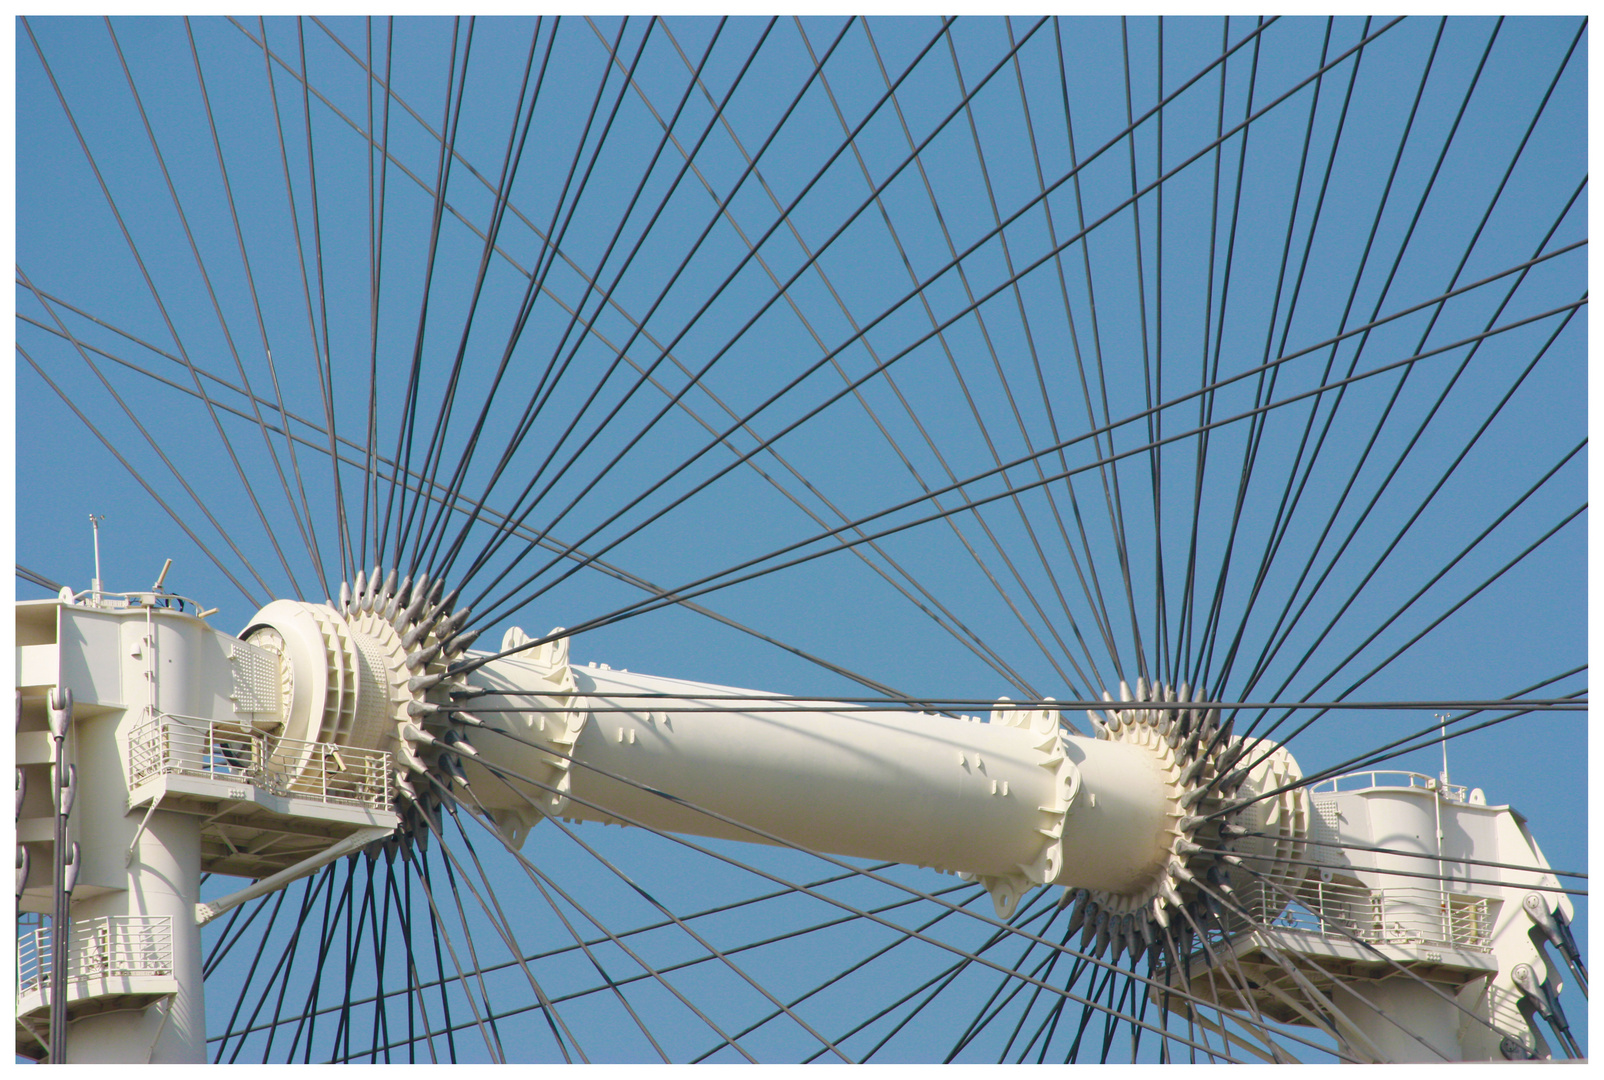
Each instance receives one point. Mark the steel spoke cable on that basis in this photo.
(133, 249)
(858, 334)
(404, 429)
(945, 977)
(498, 921)
(940, 218)
(696, 589)
(300, 252)
(525, 781)
(552, 251)
(1155, 672)
(381, 1014)
(1407, 604)
(1346, 766)
(976, 892)
(511, 159)
(661, 297)
(475, 968)
(376, 209)
(733, 274)
(438, 931)
(1092, 590)
(1266, 388)
(699, 588)
(699, 939)
(1241, 986)
(1444, 878)
(1430, 627)
(554, 371)
(451, 125)
(1403, 246)
(287, 964)
(1275, 643)
(548, 256)
(1021, 918)
(225, 943)
(1199, 664)
(647, 970)
(570, 196)
(255, 967)
(1417, 855)
(211, 294)
(990, 656)
(554, 545)
(348, 554)
(785, 703)
(1514, 159)
(1050, 961)
(482, 815)
(1115, 507)
(981, 1018)
(1250, 36)
(803, 269)
(307, 1018)
(353, 946)
(986, 336)
(1188, 597)
(302, 521)
(1428, 737)
(545, 390)
(1358, 275)
(126, 464)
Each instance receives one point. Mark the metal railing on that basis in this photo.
(112, 946)
(1408, 915)
(1388, 778)
(171, 744)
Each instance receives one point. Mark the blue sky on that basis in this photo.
(1348, 199)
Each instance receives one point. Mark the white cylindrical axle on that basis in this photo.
(999, 800)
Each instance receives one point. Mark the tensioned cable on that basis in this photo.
(692, 590)
(507, 775)
(989, 656)
(648, 971)
(1353, 654)
(603, 565)
(1275, 646)
(211, 293)
(1424, 335)
(1263, 387)
(537, 279)
(511, 159)
(36, 578)
(437, 931)
(503, 928)
(306, 288)
(451, 126)
(837, 396)
(95, 431)
(303, 524)
(482, 817)
(106, 192)
(1389, 750)
(348, 553)
(1320, 389)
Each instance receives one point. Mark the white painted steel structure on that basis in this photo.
(269, 755)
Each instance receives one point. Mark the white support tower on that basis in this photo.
(268, 755)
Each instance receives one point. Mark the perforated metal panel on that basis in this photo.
(258, 683)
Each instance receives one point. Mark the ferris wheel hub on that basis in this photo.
(1215, 786)
(376, 671)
